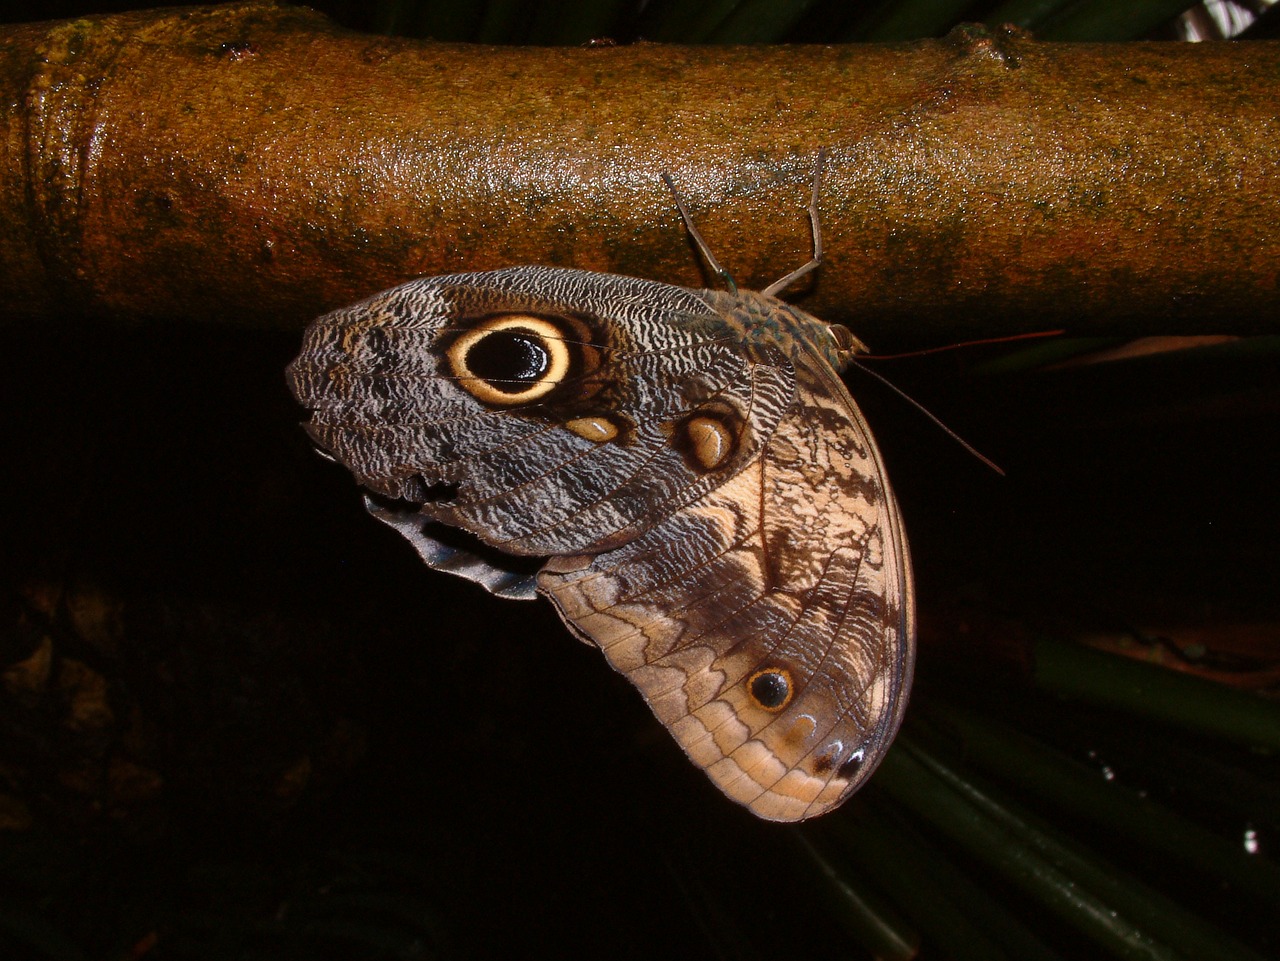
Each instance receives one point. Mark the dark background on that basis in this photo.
(268, 731)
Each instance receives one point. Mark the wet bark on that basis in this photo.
(257, 164)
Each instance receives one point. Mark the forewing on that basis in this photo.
(599, 457)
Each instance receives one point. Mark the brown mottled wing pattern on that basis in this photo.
(711, 505)
(798, 565)
(386, 405)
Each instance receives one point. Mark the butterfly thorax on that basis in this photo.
(767, 323)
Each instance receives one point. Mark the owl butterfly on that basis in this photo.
(705, 498)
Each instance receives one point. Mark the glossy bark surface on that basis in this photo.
(257, 163)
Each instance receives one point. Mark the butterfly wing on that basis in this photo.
(713, 507)
(770, 625)
(544, 411)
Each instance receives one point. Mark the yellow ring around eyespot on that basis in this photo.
(786, 680)
(549, 337)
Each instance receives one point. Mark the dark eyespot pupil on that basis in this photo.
(769, 689)
(509, 360)
(850, 767)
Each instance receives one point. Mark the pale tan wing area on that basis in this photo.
(770, 623)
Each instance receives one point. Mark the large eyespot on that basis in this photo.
(510, 359)
(771, 688)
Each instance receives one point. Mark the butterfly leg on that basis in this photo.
(816, 260)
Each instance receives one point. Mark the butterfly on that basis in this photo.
(699, 496)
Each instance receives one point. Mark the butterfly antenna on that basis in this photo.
(928, 413)
(816, 260)
(703, 249)
(1010, 338)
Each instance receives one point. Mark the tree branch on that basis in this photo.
(255, 162)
